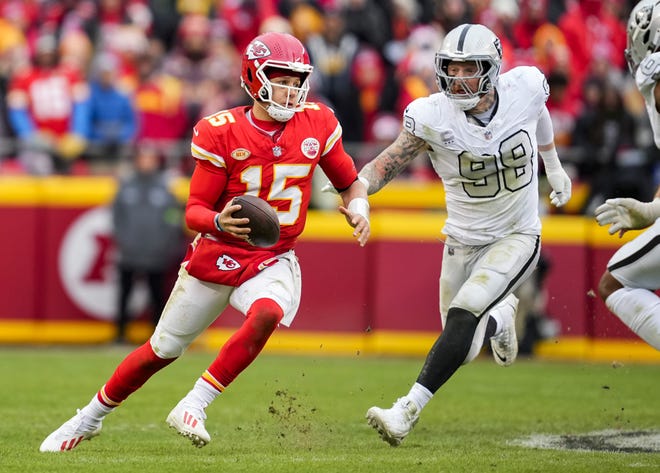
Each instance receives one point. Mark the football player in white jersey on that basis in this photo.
(483, 133)
(632, 276)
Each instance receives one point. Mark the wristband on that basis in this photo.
(551, 159)
(359, 206)
(364, 181)
(216, 223)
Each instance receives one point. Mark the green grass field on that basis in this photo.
(306, 414)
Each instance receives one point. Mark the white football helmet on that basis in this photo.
(469, 42)
(643, 32)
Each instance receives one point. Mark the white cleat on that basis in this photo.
(505, 345)
(71, 433)
(188, 420)
(395, 423)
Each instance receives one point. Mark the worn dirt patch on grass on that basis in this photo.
(638, 441)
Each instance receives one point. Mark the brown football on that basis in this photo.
(264, 224)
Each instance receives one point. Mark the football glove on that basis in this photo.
(624, 214)
(561, 186)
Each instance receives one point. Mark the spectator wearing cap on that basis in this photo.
(333, 53)
(160, 106)
(191, 62)
(113, 121)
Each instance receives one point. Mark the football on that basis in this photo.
(264, 224)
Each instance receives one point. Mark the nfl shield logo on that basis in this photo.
(488, 134)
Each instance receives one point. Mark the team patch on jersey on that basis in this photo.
(227, 263)
(310, 147)
(240, 154)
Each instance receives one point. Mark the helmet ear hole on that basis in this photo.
(263, 93)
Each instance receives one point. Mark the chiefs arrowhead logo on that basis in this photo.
(256, 50)
(227, 263)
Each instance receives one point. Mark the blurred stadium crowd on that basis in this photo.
(83, 82)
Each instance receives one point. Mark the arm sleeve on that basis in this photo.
(336, 163)
(129, 124)
(544, 132)
(339, 167)
(20, 120)
(206, 186)
(80, 118)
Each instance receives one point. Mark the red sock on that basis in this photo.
(243, 347)
(131, 374)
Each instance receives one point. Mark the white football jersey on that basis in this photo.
(489, 173)
(654, 116)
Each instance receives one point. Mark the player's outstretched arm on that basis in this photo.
(623, 214)
(391, 161)
(356, 211)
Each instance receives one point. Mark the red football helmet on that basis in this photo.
(280, 53)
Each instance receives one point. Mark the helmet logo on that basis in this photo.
(257, 49)
(643, 17)
(498, 45)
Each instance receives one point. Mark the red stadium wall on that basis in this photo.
(58, 277)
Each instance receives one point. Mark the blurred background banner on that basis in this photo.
(59, 279)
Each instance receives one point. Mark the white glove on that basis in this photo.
(561, 186)
(648, 73)
(627, 214)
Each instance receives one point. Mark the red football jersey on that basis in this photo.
(49, 95)
(245, 160)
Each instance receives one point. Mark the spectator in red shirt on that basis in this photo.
(48, 108)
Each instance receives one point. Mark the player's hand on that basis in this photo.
(648, 72)
(234, 226)
(561, 186)
(362, 229)
(625, 214)
(71, 146)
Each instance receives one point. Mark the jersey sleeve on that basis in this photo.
(336, 163)
(415, 114)
(536, 85)
(205, 144)
(206, 186)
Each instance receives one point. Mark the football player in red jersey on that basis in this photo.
(269, 149)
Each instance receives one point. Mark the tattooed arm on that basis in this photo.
(389, 163)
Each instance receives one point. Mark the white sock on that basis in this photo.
(203, 393)
(639, 309)
(420, 395)
(96, 410)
